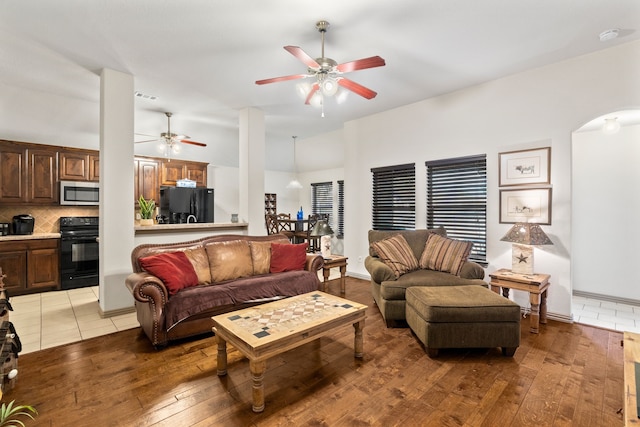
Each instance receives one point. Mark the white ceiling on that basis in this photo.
(202, 57)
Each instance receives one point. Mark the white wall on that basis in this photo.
(606, 203)
(536, 108)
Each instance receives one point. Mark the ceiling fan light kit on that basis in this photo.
(327, 73)
(170, 143)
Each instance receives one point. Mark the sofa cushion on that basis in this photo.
(397, 254)
(261, 257)
(200, 261)
(395, 289)
(229, 260)
(199, 299)
(288, 257)
(444, 254)
(415, 238)
(173, 268)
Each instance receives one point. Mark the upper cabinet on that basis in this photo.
(79, 165)
(28, 173)
(146, 179)
(175, 170)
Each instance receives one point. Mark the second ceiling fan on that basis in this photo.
(170, 141)
(327, 72)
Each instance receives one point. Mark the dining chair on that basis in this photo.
(283, 224)
(271, 223)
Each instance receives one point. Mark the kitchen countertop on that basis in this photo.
(197, 226)
(34, 236)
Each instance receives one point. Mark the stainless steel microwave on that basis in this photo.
(79, 193)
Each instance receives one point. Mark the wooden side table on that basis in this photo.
(535, 284)
(331, 262)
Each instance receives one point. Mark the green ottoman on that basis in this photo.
(468, 316)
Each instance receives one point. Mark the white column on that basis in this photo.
(116, 190)
(251, 180)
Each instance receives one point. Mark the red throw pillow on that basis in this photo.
(288, 257)
(173, 268)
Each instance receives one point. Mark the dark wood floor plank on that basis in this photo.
(568, 375)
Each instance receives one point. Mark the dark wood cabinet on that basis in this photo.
(147, 179)
(176, 170)
(79, 165)
(31, 265)
(28, 174)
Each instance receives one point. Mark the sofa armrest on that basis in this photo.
(472, 270)
(147, 288)
(379, 271)
(314, 262)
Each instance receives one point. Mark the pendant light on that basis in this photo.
(294, 184)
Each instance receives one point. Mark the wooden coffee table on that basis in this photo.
(267, 330)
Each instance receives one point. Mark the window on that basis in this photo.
(322, 199)
(394, 197)
(457, 200)
(340, 234)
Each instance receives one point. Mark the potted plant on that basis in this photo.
(146, 210)
(9, 414)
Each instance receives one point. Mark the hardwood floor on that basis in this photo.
(569, 374)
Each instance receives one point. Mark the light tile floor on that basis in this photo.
(54, 318)
(606, 314)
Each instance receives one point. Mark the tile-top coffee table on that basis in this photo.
(267, 330)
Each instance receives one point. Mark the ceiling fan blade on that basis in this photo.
(302, 56)
(361, 64)
(147, 140)
(200, 144)
(281, 79)
(357, 88)
(313, 90)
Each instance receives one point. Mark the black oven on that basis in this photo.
(78, 251)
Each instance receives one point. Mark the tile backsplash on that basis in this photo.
(47, 218)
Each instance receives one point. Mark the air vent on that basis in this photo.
(145, 96)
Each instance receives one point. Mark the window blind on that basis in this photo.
(457, 200)
(394, 197)
(340, 234)
(322, 199)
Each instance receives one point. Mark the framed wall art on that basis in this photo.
(525, 205)
(525, 167)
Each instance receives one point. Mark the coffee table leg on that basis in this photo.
(222, 356)
(534, 299)
(257, 375)
(358, 346)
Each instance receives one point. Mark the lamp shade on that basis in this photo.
(321, 229)
(525, 233)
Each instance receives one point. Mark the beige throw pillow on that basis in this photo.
(229, 260)
(200, 261)
(444, 254)
(397, 254)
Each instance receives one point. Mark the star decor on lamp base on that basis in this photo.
(522, 259)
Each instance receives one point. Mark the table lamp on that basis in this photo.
(324, 232)
(524, 236)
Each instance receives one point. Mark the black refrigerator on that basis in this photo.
(179, 205)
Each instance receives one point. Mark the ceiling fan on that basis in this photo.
(171, 141)
(327, 72)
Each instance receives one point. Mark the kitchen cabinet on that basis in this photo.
(147, 179)
(28, 174)
(175, 170)
(31, 265)
(79, 165)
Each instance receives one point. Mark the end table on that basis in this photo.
(331, 262)
(535, 284)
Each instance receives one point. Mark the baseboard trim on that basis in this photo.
(609, 298)
(118, 312)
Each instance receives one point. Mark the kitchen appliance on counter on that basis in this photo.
(79, 251)
(23, 224)
(4, 228)
(182, 205)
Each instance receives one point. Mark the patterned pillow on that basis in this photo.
(444, 254)
(397, 254)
